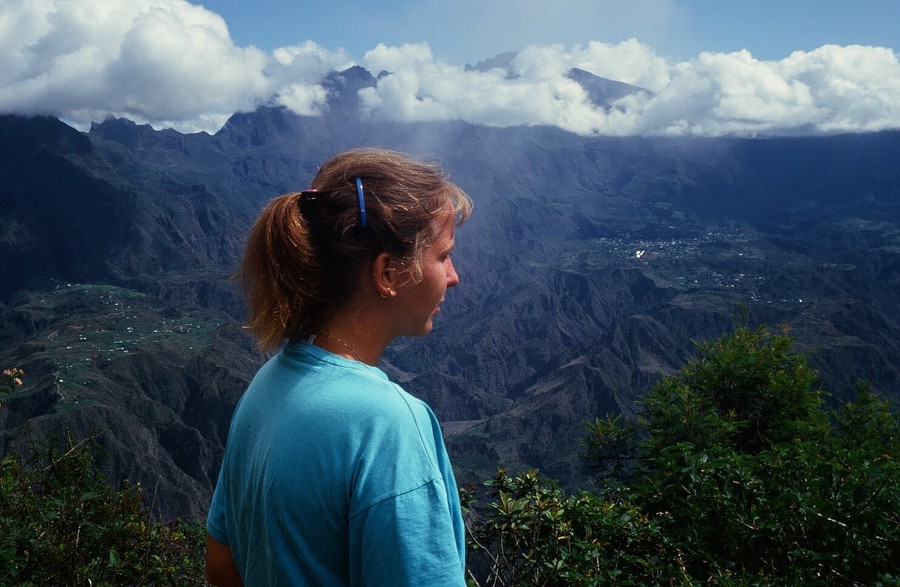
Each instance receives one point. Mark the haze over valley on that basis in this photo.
(589, 267)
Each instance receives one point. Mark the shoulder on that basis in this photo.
(389, 411)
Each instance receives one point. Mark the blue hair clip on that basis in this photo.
(362, 202)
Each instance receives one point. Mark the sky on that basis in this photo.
(714, 67)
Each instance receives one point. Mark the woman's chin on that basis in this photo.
(427, 327)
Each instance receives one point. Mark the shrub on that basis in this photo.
(62, 523)
(531, 533)
(756, 481)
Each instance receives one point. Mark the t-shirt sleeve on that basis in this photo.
(406, 540)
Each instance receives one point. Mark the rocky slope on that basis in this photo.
(587, 271)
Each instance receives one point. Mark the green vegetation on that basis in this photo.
(80, 325)
(80, 334)
(531, 533)
(761, 483)
(736, 473)
(61, 523)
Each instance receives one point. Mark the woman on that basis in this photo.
(333, 475)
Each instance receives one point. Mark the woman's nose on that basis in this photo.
(452, 277)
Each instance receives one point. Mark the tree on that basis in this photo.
(752, 478)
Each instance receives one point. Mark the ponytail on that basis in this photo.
(306, 250)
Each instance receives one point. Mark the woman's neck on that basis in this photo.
(355, 335)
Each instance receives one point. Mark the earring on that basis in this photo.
(389, 295)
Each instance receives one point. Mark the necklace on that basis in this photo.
(349, 348)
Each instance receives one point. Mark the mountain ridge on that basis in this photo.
(588, 268)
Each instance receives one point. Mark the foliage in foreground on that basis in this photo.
(533, 533)
(735, 474)
(62, 523)
(756, 482)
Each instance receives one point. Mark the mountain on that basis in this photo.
(73, 213)
(602, 92)
(153, 383)
(589, 267)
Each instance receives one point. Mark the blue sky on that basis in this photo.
(469, 31)
(713, 68)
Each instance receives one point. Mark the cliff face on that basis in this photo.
(588, 269)
(154, 384)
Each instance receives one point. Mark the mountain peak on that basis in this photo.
(124, 131)
(501, 61)
(23, 132)
(260, 126)
(602, 91)
(343, 89)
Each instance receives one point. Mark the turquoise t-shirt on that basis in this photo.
(333, 475)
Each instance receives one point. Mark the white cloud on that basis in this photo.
(383, 58)
(150, 60)
(827, 90)
(172, 63)
(539, 93)
(630, 62)
(295, 75)
(831, 89)
(718, 94)
(855, 88)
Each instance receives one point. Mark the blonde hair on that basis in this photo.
(306, 250)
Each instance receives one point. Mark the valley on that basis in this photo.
(590, 267)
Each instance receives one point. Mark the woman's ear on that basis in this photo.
(385, 276)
